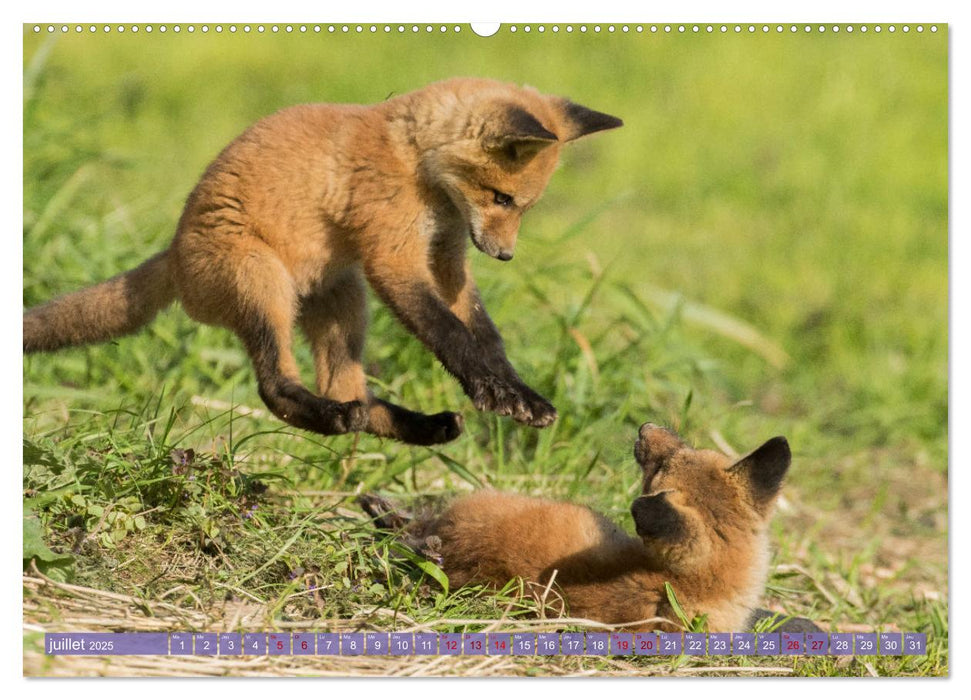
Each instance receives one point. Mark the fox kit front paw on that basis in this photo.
(513, 399)
(436, 429)
(447, 427)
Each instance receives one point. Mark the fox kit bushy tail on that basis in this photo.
(113, 308)
(292, 221)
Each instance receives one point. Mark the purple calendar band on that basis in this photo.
(483, 644)
(524, 644)
(695, 644)
(426, 644)
(303, 643)
(475, 644)
(205, 643)
(719, 644)
(106, 643)
(793, 644)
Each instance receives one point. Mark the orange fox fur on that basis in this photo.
(701, 524)
(292, 218)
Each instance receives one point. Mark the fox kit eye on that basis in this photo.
(502, 199)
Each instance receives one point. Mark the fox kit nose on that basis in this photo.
(655, 444)
(647, 429)
(504, 255)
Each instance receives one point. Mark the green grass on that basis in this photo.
(761, 250)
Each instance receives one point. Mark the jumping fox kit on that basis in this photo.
(293, 216)
(701, 524)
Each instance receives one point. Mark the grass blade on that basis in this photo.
(719, 322)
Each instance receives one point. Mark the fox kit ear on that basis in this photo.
(763, 469)
(581, 121)
(656, 518)
(516, 133)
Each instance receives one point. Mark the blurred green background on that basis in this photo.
(762, 249)
(796, 182)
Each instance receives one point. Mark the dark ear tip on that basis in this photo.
(587, 121)
(598, 121)
(780, 445)
(613, 122)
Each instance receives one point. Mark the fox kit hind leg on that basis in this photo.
(335, 320)
(238, 282)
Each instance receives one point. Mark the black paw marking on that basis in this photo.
(448, 427)
(513, 399)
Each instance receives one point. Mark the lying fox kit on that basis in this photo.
(701, 524)
(293, 216)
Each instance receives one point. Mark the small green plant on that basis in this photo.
(698, 623)
(110, 523)
(59, 567)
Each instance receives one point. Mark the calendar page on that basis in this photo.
(490, 350)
